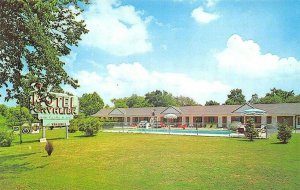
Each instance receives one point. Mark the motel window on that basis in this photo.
(198, 119)
(179, 119)
(269, 119)
(211, 119)
(298, 121)
(257, 119)
(237, 118)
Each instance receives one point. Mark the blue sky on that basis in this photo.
(200, 49)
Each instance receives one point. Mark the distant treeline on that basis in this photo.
(159, 98)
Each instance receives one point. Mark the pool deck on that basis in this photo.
(172, 133)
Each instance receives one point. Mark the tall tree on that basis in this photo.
(293, 99)
(211, 103)
(160, 98)
(281, 93)
(279, 96)
(135, 101)
(271, 100)
(235, 97)
(34, 35)
(89, 104)
(254, 99)
(17, 115)
(185, 101)
(120, 102)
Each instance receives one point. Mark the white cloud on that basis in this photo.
(211, 3)
(243, 57)
(117, 29)
(122, 80)
(203, 17)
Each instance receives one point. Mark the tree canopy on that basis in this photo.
(276, 96)
(120, 102)
(185, 101)
(211, 103)
(254, 99)
(153, 99)
(135, 101)
(34, 35)
(159, 98)
(235, 97)
(17, 115)
(90, 103)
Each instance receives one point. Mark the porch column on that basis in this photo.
(219, 121)
(294, 122)
(228, 120)
(203, 123)
(183, 120)
(274, 120)
(263, 120)
(191, 120)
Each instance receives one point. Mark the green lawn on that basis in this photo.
(145, 161)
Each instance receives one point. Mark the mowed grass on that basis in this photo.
(147, 161)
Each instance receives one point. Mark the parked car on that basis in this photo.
(143, 124)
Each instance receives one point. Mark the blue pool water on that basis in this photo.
(186, 131)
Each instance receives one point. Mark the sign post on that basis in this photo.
(67, 131)
(21, 134)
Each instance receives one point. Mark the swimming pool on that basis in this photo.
(182, 132)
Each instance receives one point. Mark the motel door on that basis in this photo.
(298, 122)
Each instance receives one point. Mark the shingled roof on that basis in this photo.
(280, 109)
(271, 109)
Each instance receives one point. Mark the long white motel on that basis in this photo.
(220, 115)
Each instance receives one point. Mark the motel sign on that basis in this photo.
(54, 110)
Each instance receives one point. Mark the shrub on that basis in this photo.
(234, 125)
(213, 125)
(6, 137)
(284, 132)
(210, 125)
(73, 126)
(49, 148)
(89, 125)
(250, 132)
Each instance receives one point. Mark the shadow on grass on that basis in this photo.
(84, 136)
(56, 138)
(37, 140)
(278, 143)
(245, 140)
(255, 139)
(14, 164)
(30, 141)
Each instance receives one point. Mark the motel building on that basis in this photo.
(201, 116)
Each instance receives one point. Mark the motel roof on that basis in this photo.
(271, 109)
